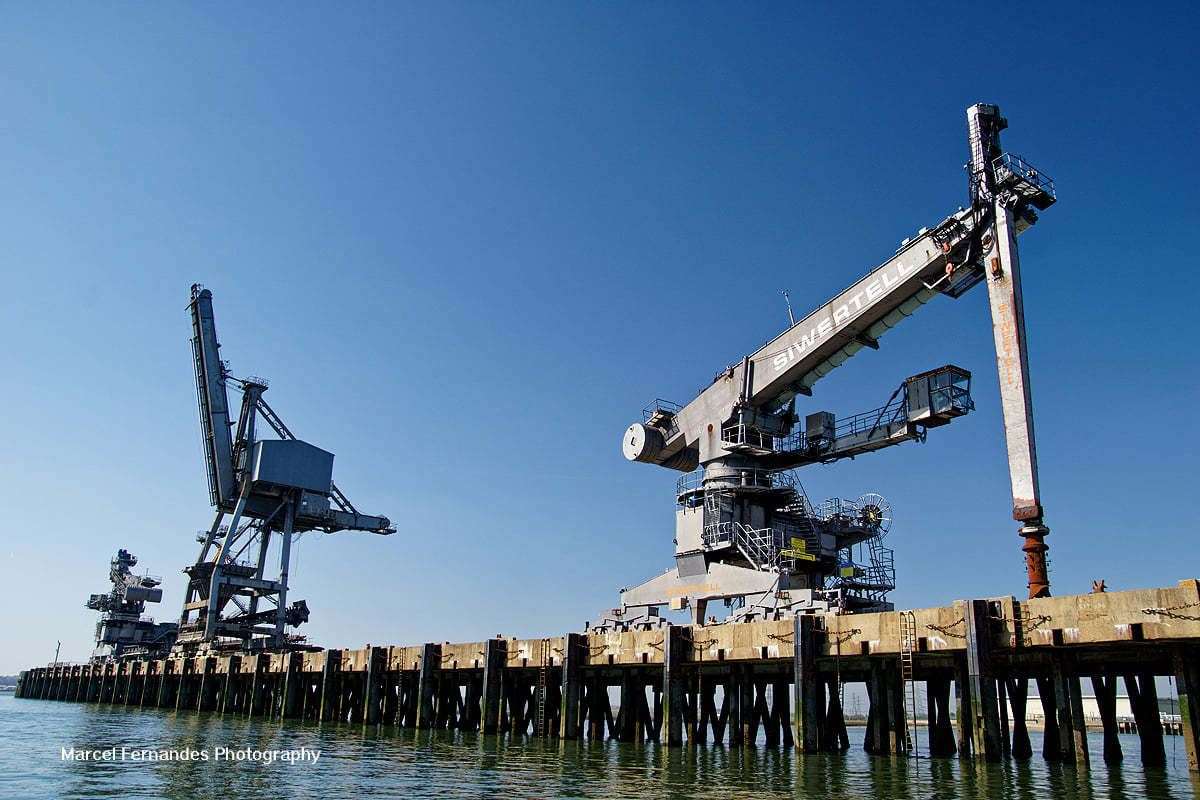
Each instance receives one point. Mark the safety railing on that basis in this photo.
(661, 411)
(747, 477)
(869, 421)
(1014, 172)
(765, 548)
(741, 435)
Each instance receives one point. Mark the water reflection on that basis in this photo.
(366, 763)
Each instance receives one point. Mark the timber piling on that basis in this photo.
(776, 681)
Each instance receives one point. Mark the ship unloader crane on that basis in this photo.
(743, 527)
(269, 489)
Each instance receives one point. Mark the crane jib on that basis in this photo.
(857, 317)
(852, 305)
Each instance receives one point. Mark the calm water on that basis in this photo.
(406, 764)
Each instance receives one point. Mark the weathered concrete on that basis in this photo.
(776, 681)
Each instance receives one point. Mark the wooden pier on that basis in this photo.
(683, 684)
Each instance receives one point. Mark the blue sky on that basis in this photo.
(468, 242)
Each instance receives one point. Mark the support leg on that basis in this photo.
(1105, 689)
(808, 734)
(431, 664)
(495, 657)
(964, 714)
(676, 647)
(1018, 695)
(986, 719)
(1187, 683)
(1143, 697)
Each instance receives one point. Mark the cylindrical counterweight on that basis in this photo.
(642, 443)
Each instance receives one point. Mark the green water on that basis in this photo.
(394, 763)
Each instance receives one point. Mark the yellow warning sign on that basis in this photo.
(798, 550)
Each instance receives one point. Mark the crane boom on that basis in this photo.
(796, 359)
(212, 398)
(937, 261)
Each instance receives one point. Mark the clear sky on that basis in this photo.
(468, 242)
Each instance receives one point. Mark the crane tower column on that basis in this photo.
(1012, 362)
(1007, 186)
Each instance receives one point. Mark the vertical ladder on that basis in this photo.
(543, 685)
(908, 687)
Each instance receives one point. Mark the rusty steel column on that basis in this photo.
(1012, 362)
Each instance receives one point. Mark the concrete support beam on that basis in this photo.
(431, 665)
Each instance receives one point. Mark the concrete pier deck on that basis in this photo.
(684, 684)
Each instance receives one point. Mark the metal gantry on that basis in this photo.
(744, 430)
(270, 490)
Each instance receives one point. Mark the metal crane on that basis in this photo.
(122, 631)
(743, 527)
(270, 488)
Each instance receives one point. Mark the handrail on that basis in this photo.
(1012, 165)
(751, 477)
